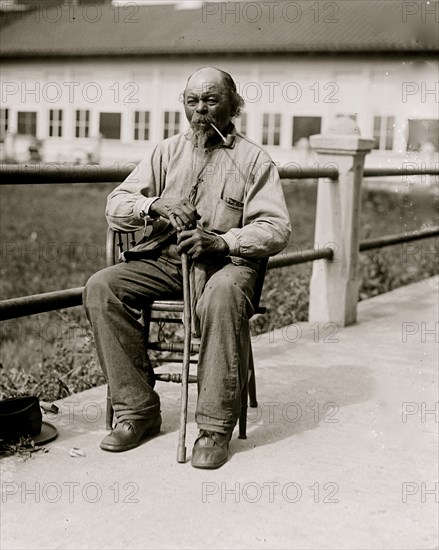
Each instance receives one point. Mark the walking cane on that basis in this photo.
(181, 450)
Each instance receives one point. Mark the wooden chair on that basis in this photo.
(118, 242)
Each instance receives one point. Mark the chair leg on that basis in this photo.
(109, 412)
(248, 391)
(252, 381)
(243, 414)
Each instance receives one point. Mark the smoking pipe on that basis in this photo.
(228, 140)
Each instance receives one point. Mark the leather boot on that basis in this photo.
(210, 450)
(130, 433)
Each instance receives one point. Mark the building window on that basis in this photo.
(241, 123)
(109, 125)
(55, 123)
(383, 129)
(422, 132)
(172, 124)
(305, 126)
(82, 125)
(27, 123)
(4, 122)
(271, 129)
(141, 125)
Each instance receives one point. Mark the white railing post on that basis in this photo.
(334, 283)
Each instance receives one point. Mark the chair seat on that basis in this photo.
(177, 307)
(172, 306)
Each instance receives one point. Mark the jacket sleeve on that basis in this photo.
(125, 203)
(266, 223)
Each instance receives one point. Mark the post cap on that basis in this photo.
(344, 126)
(343, 137)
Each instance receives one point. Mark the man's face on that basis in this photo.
(206, 99)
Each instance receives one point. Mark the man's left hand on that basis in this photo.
(197, 243)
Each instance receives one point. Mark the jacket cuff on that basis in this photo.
(232, 242)
(147, 205)
(142, 206)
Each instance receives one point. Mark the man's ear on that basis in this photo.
(181, 97)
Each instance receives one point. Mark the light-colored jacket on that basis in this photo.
(236, 190)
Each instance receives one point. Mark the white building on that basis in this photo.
(102, 80)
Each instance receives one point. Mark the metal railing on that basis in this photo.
(51, 174)
(59, 173)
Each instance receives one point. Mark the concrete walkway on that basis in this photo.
(342, 453)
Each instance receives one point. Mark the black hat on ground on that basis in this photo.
(21, 416)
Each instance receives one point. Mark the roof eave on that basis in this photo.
(136, 54)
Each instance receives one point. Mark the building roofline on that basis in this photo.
(158, 31)
(397, 52)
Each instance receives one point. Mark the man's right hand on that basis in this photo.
(181, 213)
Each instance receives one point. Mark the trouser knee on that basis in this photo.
(100, 290)
(223, 297)
(226, 307)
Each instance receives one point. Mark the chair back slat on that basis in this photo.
(259, 283)
(120, 242)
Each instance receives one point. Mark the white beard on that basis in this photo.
(202, 133)
(202, 136)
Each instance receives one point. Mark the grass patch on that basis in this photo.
(53, 237)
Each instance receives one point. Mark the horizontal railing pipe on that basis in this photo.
(385, 172)
(297, 173)
(91, 173)
(388, 240)
(294, 258)
(30, 174)
(40, 303)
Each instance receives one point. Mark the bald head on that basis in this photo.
(212, 75)
(208, 78)
(206, 74)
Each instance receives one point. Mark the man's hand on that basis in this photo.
(181, 213)
(197, 243)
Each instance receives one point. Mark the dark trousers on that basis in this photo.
(114, 298)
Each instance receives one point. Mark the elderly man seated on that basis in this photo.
(214, 194)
